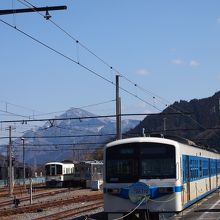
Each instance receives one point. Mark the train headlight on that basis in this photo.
(114, 191)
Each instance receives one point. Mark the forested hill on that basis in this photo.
(201, 125)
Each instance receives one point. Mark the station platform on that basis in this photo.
(207, 208)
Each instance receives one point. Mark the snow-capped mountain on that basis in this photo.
(70, 138)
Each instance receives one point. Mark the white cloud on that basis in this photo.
(142, 72)
(179, 62)
(194, 63)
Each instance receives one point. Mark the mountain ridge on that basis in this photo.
(71, 137)
(200, 124)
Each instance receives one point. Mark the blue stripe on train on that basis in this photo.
(155, 191)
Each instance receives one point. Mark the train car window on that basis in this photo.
(47, 169)
(205, 167)
(122, 163)
(157, 161)
(53, 170)
(59, 169)
(200, 168)
(218, 167)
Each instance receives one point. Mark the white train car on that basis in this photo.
(60, 174)
(88, 171)
(156, 175)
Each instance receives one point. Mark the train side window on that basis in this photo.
(218, 166)
(200, 168)
(184, 168)
(205, 168)
(197, 168)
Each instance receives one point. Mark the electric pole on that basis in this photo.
(22, 139)
(118, 110)
(10, 170)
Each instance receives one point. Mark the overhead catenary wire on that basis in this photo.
(88, 117)
(111, 67)
(74, 61)
(90, 51)
(14, 114)
(105, 135)
(87, 49)
(102, 60)
(18, 106)
(95, 55)
(82, 107)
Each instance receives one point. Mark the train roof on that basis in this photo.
(59, 163)
(163, 139)
(91, 162)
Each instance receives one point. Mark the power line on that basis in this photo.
(61, 144)
(52, 150)
(88, 117)
(19, 106)
(14, 114)
(91, 52)
(112, 68)
(106, 135)
(82, 107)
(88, 69)
(59, 136)
(74, 61)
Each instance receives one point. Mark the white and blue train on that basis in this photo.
(88, 171)
(69, 174)
(59, 174)
(157, 175)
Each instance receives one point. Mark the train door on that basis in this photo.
(187, 166)
(209, 173)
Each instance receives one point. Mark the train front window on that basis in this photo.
(53, 170)
(47, 168)
(59, 169)
(134, 161)
(121, 164)
(157, 161)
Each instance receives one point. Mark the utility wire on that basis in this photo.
(105, 135)
(87, 49)
(14, 114)
(102, 60)
(112, 68)
(60, 136)
(82, 107)
(87, 117)
(90, 51)
(62, 144)
(74, 61)
(19, 106)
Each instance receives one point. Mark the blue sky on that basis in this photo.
(170, 48)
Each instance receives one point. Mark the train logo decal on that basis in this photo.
(138, 191)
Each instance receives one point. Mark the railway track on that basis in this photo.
(20, 189)
(49, 204)
(35, 196)
(73, 212)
